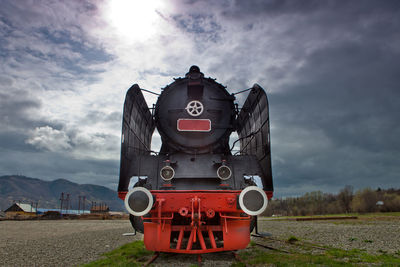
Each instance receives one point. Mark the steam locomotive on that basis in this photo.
(197, 194)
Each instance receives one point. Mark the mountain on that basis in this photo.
(25, 189)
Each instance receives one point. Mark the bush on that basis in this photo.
(365, 201)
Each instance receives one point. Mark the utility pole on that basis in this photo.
(67, 204)
(62, 201)
(79, 205)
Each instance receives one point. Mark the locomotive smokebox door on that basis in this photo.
(195, 115)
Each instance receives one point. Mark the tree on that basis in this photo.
(365, 200)
(345, 197)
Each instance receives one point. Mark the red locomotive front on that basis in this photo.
(195, 195)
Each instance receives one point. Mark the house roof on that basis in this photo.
(26, 207)
(23, 207)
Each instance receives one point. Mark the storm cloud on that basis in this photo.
(331, 70)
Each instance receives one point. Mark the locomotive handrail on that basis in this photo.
(248, 136)
(245, 90)
(148, 91)
(142, 150)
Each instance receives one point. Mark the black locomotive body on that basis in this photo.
(195, 187)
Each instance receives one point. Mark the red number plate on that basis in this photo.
(194, 125)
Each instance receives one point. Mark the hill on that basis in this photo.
(47, 193)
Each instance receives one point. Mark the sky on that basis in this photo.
(331, 70)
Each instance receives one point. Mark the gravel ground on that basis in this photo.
(60, 242)
(74, 242)
(378, 235)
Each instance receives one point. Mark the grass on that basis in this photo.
(361, 256)
(258, 257)
(135, 254)
(252, 243)
(360, 215)
(309, 216)
(292, 239)
(329, 257)
(380, 214)
(132, 254)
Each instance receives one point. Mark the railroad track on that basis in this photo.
(157, 254)
(269, 243)
(286, 243)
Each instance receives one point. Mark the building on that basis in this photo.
(99, 209)
(20, 209)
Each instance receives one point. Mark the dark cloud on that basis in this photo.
(65, 38)
(201, 26)
(45, 52)
(53, 165)
(337, 113)
(331, 70)
(330, 11)
(95, 116)
(12, 140)
(51, 36)
(15, 106)
(274, 7)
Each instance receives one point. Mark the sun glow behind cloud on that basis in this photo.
(134, 20)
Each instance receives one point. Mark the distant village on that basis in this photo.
(26, 198)
(30, 211)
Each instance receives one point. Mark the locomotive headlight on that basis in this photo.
(224, 172)
(253, 200)
(139, 201)
(167, 173)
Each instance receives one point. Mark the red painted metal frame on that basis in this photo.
(122, 194)
(199, 207)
